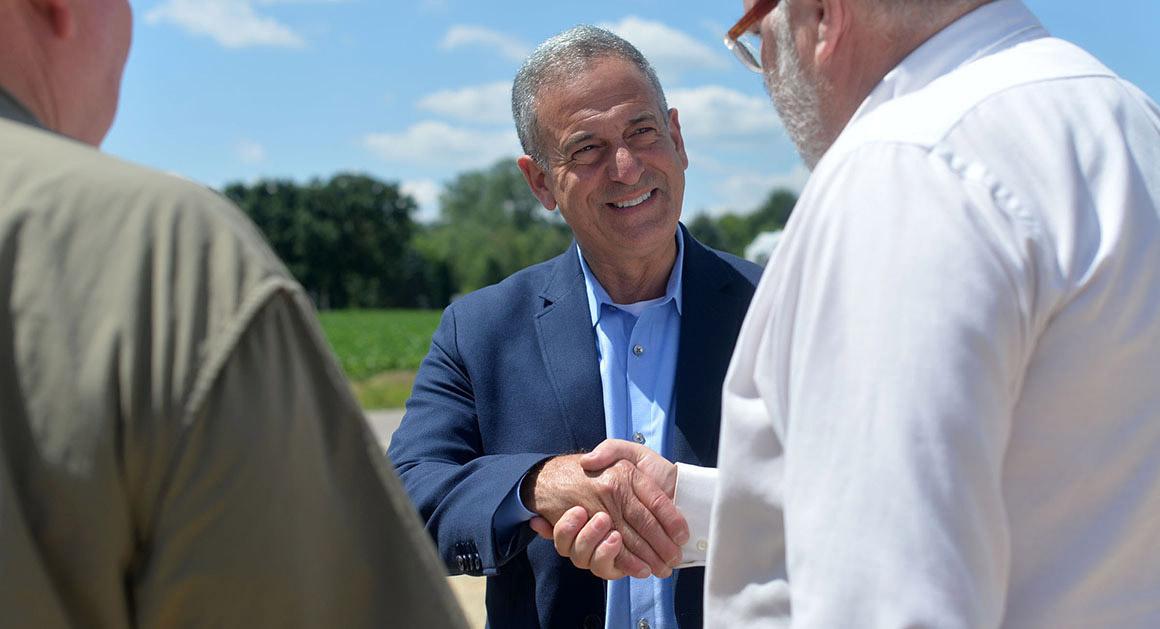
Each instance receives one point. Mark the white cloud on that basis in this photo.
(462, 35)
(485, 104)
(439, 144)
(716, 112)
(744, 191)
(231, 23)
(250, 152)
(669, 50)
(426, 194)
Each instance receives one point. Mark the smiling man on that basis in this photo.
(625, 335)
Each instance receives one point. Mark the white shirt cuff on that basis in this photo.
(693, 496)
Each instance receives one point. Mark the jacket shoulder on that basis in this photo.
(749, 272)
(513, 292)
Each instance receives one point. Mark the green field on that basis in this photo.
(380, 350)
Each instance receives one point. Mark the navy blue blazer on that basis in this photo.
(511, 379)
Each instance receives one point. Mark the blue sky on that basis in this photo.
(416, 91)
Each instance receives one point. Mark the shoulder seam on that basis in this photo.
(228, 338)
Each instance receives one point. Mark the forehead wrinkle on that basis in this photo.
(643, 117)
(592, 104)
(588, 120)
(610, 117)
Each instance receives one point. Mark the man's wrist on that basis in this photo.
(528, 485)
(551, 484)
(511, 513)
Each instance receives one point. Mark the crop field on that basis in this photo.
(380, 350)
(370, 342)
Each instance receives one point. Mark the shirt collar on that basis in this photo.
(13, 110)
(984, 31)
(598, 297)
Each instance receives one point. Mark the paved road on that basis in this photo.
(469, 590)
(384, 423)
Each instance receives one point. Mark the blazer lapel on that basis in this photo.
(568, 345)
(716, 297)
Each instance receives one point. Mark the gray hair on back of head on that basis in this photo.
(563, 56)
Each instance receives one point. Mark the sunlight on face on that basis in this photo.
(106, 29)
(616, 163)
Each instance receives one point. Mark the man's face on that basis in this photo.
(616, 163)
(795, 94)
(105, 31)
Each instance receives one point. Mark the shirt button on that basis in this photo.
(702, 545)
(637, 350)
(642, 624)
(638, 437)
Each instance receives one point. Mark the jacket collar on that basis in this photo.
(715, 297)
(988, 29)
(566, 271)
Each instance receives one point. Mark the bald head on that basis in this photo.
(63, 60)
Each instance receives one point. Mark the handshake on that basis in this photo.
(610, 511)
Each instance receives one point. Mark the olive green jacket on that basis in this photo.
(178, 447)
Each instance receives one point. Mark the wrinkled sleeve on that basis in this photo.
(463, 493)
(278, 508)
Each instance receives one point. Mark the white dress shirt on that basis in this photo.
(944, 405)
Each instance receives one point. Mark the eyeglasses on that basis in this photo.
(745, 50)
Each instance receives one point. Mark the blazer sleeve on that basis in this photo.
(438, 452)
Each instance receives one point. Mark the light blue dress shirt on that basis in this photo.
(637, 347)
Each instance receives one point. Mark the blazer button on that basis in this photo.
(593, 621)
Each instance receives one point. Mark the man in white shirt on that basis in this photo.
(942, 409)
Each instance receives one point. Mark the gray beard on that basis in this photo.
(797, 100)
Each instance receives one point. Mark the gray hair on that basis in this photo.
(563, 56)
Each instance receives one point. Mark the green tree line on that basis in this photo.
(353, 241)
(733, 232)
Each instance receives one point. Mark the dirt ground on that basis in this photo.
(469, 591)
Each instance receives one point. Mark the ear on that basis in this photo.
(832, 23)
(675, 134)
(58, 16)
(537, 180)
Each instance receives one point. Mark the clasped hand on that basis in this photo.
(610, 511)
